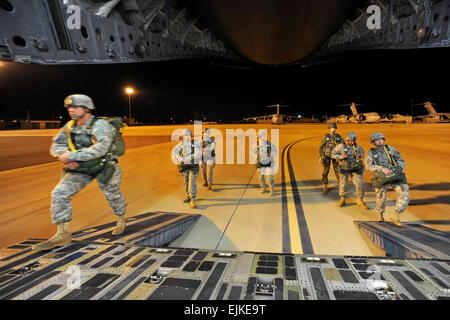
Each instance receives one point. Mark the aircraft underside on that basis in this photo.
(125, 31)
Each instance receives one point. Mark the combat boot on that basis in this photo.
(395, 218)
(272, 192)
(263, 190)
(381, 217)
(341, 202)
(62, 238)
(120, 226)
(360, 202)
(205, 184)
(325, 189)
(209, 187)
(188, 198)
(192, 204)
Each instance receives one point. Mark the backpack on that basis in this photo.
(118, 141)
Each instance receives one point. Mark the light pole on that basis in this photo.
(129, 91)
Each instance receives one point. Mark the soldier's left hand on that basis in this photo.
(65, 157)
(72, 165)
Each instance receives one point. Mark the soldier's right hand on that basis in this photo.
(320, 160)
(344, 156)
(386, 171)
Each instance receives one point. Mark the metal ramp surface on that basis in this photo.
(409, 241)
(98, 271)
(152, 229)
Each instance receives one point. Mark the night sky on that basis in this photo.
(384, 81)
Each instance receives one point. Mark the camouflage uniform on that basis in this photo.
(357, 177)
(71, 183)
(265, 158)
(184, 149)
(208, 160)
(329, 142)
(380, 160)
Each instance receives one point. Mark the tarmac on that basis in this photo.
(235, 216)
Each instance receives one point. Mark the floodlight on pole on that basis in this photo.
(129, 91)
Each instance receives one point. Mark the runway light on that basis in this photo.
(129, 90)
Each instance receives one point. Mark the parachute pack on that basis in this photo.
(99, 167)
(118, 141)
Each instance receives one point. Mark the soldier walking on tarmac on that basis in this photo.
(84, 140)
(264, 152)
(329, 142)
(208, 158)
(349, 156)
(388, 161)
(187, 155)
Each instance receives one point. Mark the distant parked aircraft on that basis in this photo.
(432, 115)
(276, 118)
(370, 117)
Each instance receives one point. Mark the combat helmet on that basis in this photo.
(375, 136)
(351, 136)
(332, 125)
(79, 100)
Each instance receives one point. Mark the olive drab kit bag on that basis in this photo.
(380, 178)
(101, 168)
(354, 165)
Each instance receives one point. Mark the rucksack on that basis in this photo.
(118, 141)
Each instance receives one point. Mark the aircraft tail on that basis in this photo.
(353, 108)
(430, 108)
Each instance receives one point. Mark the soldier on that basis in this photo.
(187, 154)
(329, 142)
(208, 158)
(383, 158)
(264, 152)
(93, 139)
(349, 156)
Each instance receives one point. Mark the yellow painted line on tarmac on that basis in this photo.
(294, 231)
